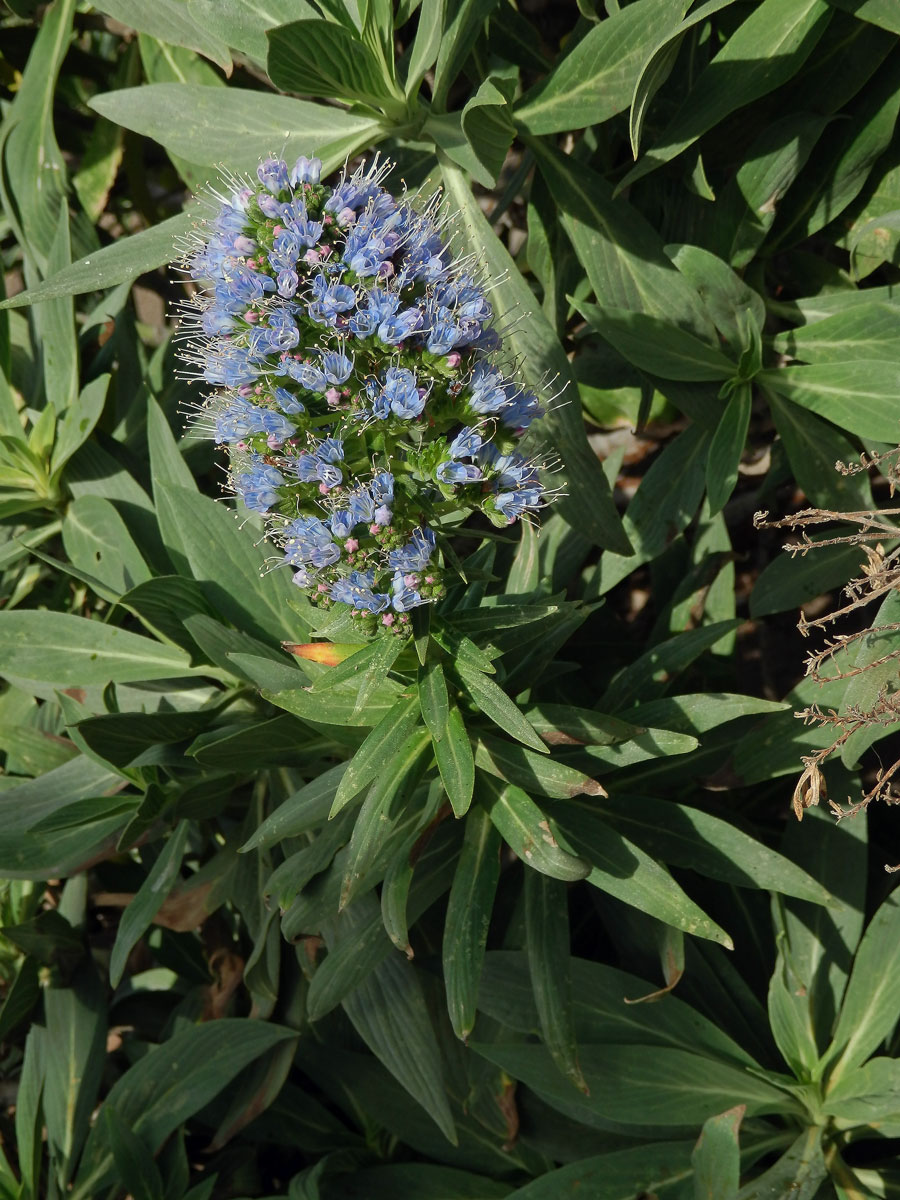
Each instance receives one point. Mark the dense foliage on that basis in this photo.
(513, 904)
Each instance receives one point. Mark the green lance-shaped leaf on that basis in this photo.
(596, 79)
(765, 51)
(301, 812)
(229, 125)
(639, 1085)
(717, 1158)
(689, 837)
(527, 830)
(75, 1021)
(97, 541)
(76, 652)
(170, 1084)
(655, 345)
(389, 1013)
(798, 1173)
(119, 262)
(625, 871)
(426, 44)
(600, 1012)
(381, 744)
(789, 1015)
(478, 138)
(726, 448)
(135, 1165)
(463, 21)
(170, 22)
(383, 810)
(395, 896)
(456, 762)
(813, 446)
(859, 396)
(547, 940)
(872, 999)
(21, 997)
(862, 332)
(535, 772)
(664, 504)
(321, 58)
(147, 902)
(78, 421)
(468, 918)
(242, 24)
(33, 175)
(228, 565)
(646, 1170)
(433, 699)
(495, 703)
(623, 254)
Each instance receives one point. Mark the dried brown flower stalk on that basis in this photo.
(879, 577)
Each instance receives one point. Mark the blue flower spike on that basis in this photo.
(358, 384)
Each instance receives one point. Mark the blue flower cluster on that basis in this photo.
(357, 384)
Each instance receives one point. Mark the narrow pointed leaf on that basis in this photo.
(469, 910)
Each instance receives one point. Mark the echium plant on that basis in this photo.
(357, 384)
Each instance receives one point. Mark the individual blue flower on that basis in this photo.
(414, 556)
(328, 474)
(520, 409)
(268, 205)
(442, 331)
(273, 174)
(362, 505)
(288, 281)
(239, 420)
(513, 504)
(241, 283)
(305, 466)
(382, 487)
(400, 394)
(514, 471)
(276, 425)
(306, 374)
(458, 472)
(287, 402)
(466, 443)
(329, 301)
(486, 391)
(400, 326)
(355, 590)
(309, 541)
(380, 306)
(330, 450)
(403, 596)
(305, 170)
(342, 523)
(258, 488)
(282, 337)
(306, 233)
(214, 322)
(337, 367)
